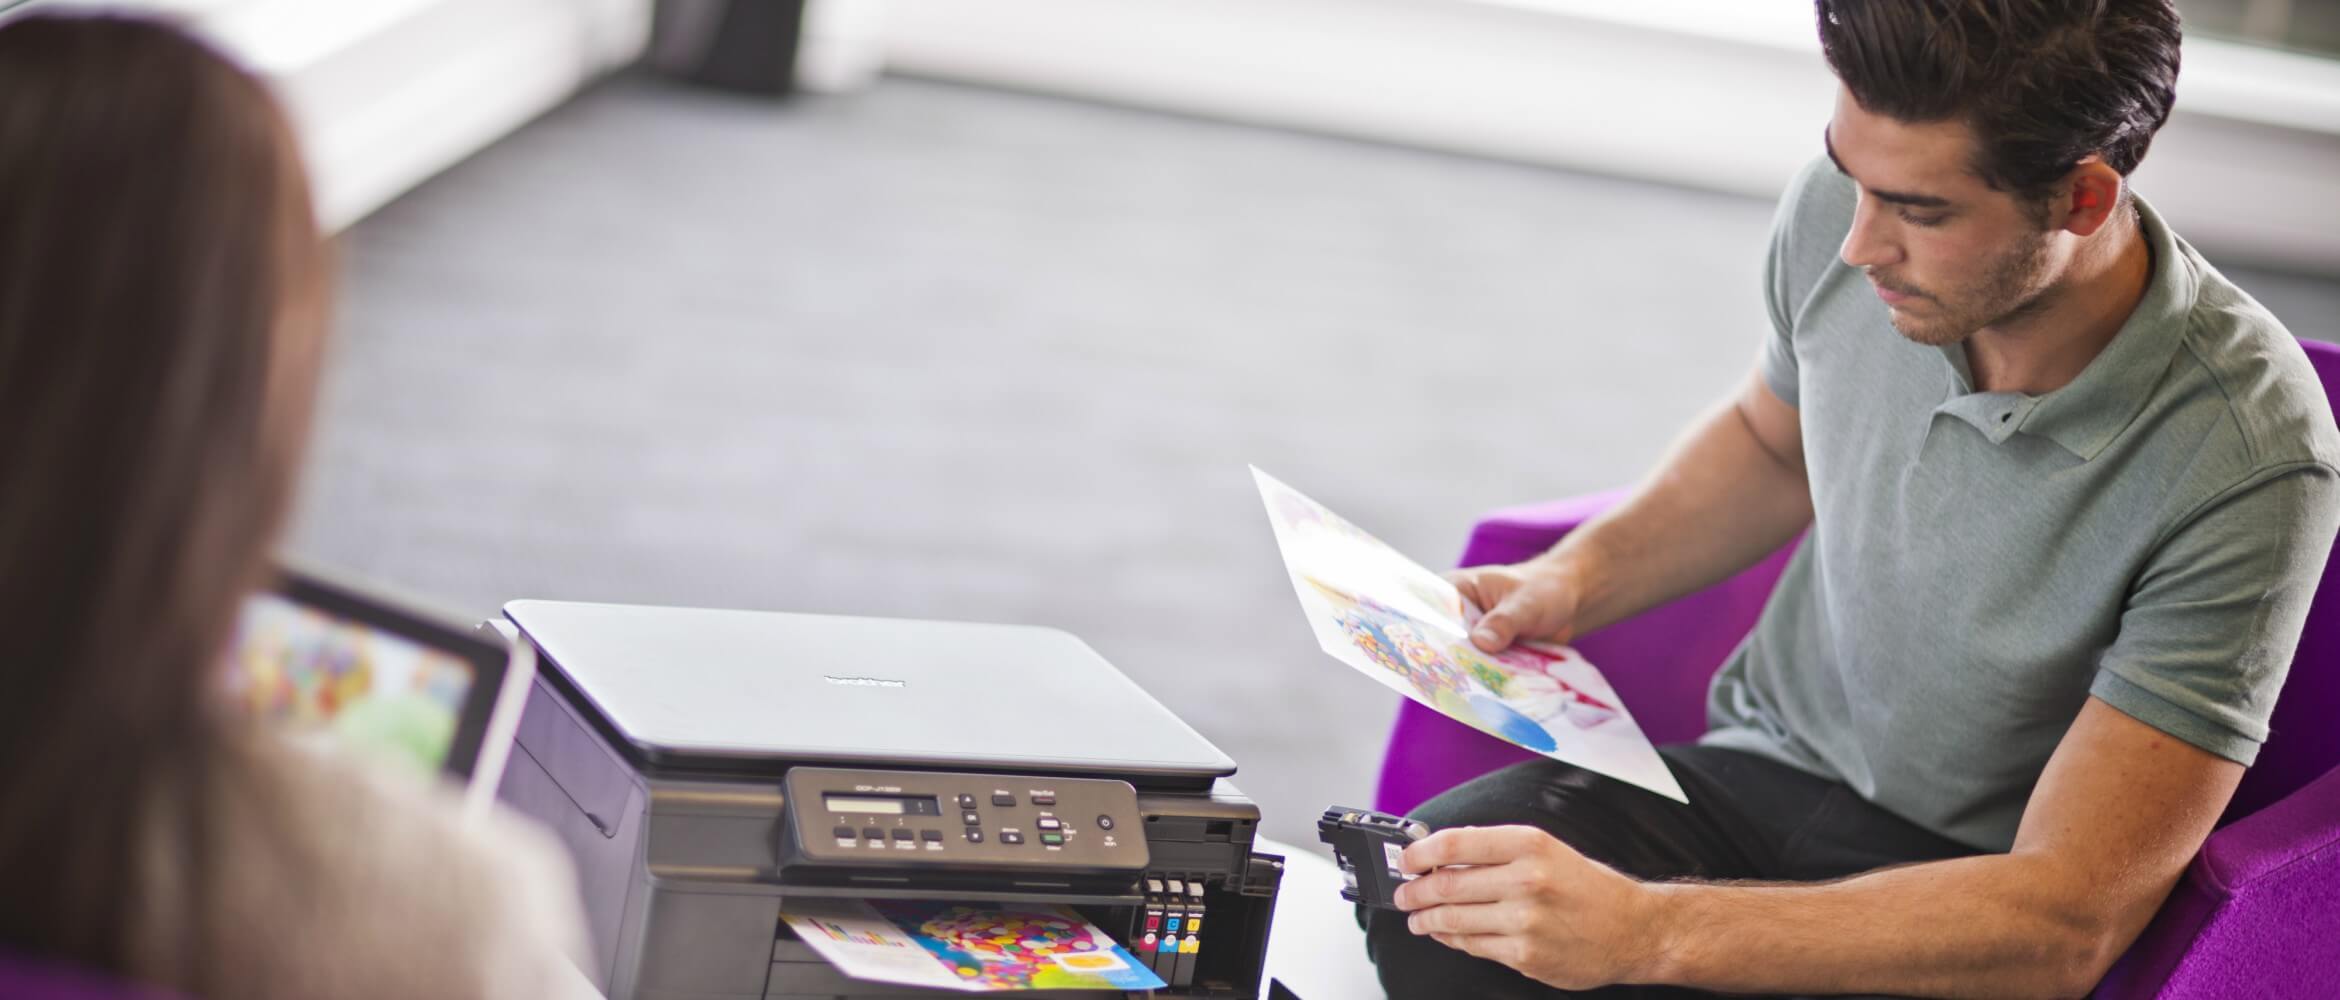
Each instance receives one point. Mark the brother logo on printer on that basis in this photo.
(867, 682)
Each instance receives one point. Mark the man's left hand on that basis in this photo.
(1527, 900)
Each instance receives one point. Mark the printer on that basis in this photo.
(707, 768)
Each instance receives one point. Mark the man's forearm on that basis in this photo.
(1719, 501)
(1999, 925)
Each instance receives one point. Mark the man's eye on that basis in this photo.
(1916, 219)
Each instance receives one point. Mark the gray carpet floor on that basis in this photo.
(932, 351)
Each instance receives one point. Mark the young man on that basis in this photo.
(2068, 494)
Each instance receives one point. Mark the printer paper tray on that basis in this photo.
(798, 971)
(1072, 897)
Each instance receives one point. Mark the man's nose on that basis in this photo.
(1869, 244)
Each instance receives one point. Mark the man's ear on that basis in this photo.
(2087, 198)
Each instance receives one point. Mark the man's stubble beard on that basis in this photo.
(2012, 288)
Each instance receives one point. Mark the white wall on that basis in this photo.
(386, 93)
(1722, 94)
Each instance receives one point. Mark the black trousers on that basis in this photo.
(1748, 818)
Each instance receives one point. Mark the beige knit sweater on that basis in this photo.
(329, 877)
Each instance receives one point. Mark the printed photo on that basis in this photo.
(1408, 628)
(972, 947)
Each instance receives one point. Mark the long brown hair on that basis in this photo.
(162, 288)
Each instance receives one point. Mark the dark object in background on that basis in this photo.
(1367, 845)
(742, 45)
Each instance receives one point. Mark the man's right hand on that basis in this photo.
(1536, 599)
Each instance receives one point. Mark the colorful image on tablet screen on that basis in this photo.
(347, 683)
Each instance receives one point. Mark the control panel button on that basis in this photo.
(974, 836)
(1043, 798)
(1052, 839)
(844, 835)
(1002, 799)
(901, 838)
(970, 819)
(1104, 822)
(1048, 823)
(931, 836)
(873, 833)
(1010, 837)
(966, 801)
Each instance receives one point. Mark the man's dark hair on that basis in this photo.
(2043, 83)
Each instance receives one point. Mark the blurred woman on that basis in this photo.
(163, 300)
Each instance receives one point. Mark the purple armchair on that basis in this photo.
(35, 979)
(2258, 913)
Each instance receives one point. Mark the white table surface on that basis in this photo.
(1315, 946)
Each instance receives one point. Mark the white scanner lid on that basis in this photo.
(692, 686)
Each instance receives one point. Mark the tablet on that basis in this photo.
(335, 661)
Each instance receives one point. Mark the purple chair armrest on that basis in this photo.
(2254, 914)
(1510, 534)
(38, 979)
(1659, 661)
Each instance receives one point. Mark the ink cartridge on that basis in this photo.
(1368, 846)
(1190, 944)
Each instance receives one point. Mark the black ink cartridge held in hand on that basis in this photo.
(1368, 846)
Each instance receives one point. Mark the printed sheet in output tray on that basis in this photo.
(971, 947)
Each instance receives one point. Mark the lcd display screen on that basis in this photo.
(888, 805)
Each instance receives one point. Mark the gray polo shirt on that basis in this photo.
(1982, 563)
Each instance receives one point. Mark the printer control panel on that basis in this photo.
(853, 817)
